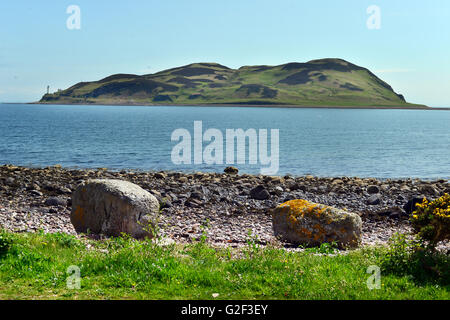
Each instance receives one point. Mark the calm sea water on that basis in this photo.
(322, 142)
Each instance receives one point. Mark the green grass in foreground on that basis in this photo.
(34, 266)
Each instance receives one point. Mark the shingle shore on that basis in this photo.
(226, 207)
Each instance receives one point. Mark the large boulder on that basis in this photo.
(305, 223)
(111, 207)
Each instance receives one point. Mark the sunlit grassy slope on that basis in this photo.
(325, 82)
(37, 266)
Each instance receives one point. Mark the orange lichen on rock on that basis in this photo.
(306, 232)
(300, 207)
(304, 222)
(79, 214)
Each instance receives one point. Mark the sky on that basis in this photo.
(410, 50)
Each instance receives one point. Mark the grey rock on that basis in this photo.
(289, 198)
(392, 212)
(372, 189)
(64, 190)
(193, 203)
(231, 170)
(197, 195)
(160, 175)
(374, 200)
(165, 204)
(429, 189)
(156, 193)
(55, 201)
(36, 193)
(259, 193)
(410, 206)
(112, 207)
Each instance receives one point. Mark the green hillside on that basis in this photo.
(325, 82)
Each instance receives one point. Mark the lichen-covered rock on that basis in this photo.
(311, 224)
(111, 207)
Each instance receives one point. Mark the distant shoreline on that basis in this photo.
(250, 106)
(137, 170)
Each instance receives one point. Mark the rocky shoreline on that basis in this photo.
(226, 207)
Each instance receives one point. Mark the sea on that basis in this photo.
(380, 143)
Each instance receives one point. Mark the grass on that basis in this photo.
(34, 266)
(328, 92)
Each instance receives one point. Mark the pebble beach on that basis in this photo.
(228, 208)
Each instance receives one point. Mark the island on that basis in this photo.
(317, 83)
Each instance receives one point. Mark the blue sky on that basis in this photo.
(411, 51)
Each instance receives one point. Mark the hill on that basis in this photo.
(324, 82)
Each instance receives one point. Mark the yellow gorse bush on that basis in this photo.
(431, 220)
